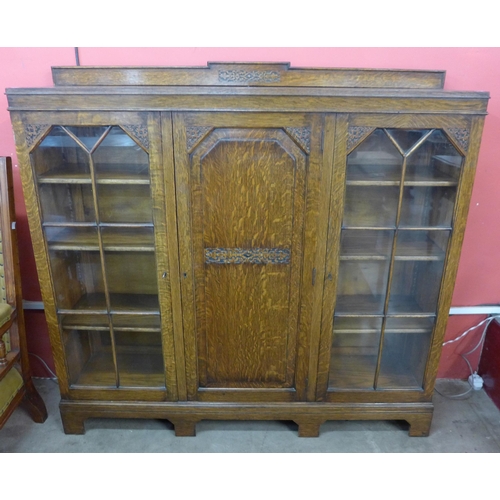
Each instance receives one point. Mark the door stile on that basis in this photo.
(163, 242)
(324, 159)
(181, 179)
(170, 271)
(335, 148)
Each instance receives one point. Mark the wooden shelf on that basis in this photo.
(121, 323)
(358, 372)
(142, 368)
(372, 174)
(372, 245)
(140, 239)
(373, 304)
(105, 174)
(95, 303)
(356, 326)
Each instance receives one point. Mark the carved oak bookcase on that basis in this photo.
(247, 241)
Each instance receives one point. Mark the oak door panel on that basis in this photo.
(245, 189)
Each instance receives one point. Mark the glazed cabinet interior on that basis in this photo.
(221, 263)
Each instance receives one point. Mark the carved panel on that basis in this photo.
(247, 255)
(356, 135)
(249, 76)
(194, 135)
(302, 136)
(140, 134)
(461, 135)
(33, 132)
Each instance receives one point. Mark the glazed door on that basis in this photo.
(99, 188)
(247, 207)
(393, 284)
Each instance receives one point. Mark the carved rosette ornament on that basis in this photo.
(194, 135)
(247, 255)
(461, 136)
(356, 135)
(248, 76)
(33, 132)
(139, 133)
(301, 135)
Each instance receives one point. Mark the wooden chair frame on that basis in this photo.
(17, 357)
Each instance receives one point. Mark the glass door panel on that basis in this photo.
(89, 358)
(79, 280)
(376, 161)
(98, 222)
(119, 159)
(370, 206)
(365, 244)
(354, 352)
(404, 352)
(430, 206)
(399, 201)
(131, 281)
(59, 158)
(362, 286)
(415, 286)
(125, 204)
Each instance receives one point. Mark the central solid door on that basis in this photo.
(248, 191)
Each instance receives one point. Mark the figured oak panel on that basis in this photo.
(248, 190)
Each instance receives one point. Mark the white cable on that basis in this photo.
(463, 356)
(54, 376)
(491, 318)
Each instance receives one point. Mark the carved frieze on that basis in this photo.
(302, 136)
(140, 134)
(356, 135)
(194, 135)
(247, 255)
(248, 76)
(33, 132)
(461, 135)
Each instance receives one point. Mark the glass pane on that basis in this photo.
(72, 238)
(132, 282)
(362, 287)
(89, 358)
(435, 161)
(404, 354)
(429, 206)
(139, 351)
(406, 138)
(354, 352)
(59, 158)
(370, 206)
(130, 239)
(360, 244)
(118, 158)
(64, 203)
(78, 279)
(415, 286)
(125, 203)
(87, 135)
(375, 160)
(421, 245)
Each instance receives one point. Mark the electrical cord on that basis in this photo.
(464, 355)
(54, 376)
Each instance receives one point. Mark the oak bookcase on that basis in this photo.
(247, 241)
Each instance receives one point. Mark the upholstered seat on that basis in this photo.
(16, 385)
(5, 313)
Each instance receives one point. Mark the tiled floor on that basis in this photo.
(468, 425)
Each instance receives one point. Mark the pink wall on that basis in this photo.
(466, 69)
